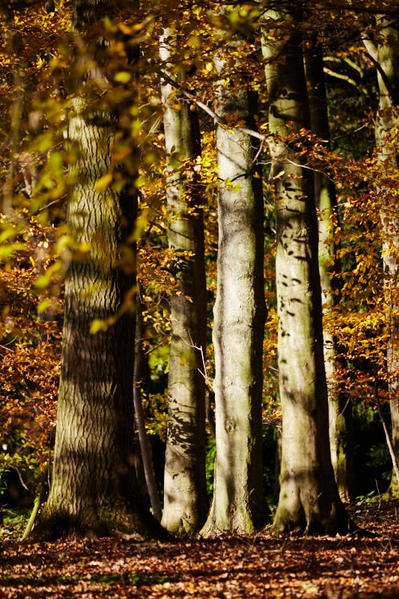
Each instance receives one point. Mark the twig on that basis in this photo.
(309, 168)
(190, 95)
(6, 348)
(21, 480)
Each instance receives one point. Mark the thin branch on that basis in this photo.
(21, 480)
(383, 75)
(191, 96)
(6, 348)
(309, 168)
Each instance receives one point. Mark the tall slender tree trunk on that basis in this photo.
(145, 445)
(93, 487)
(239, 315)
(185, 499)
(309, 497)
(339, 408)
(387, 57)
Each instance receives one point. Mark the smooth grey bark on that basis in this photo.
(386, 56)
(339, 408)
(239, 315)
(93, 489)
(185, 498)
(309, 498)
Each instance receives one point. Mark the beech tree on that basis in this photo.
(239, 313)
(185, 499)
(339, 408)
(93, 487)
(309, 497)
(385, 56)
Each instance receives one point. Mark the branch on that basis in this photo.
(344, 78)
(383, 75)
(191, 96)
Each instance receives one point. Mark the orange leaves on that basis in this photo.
(30, 346)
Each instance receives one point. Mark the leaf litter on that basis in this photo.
(230, 567)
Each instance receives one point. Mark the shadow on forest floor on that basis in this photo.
(260, 565)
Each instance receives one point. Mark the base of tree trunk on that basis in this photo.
(230, 520)
(307, 519)
(100, 522)
(393, 490)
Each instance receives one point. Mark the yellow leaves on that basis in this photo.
(44, 304)
(186, 297)
(40, 63)
(104, 182)
(194, 42)
(98, 325)
(42, 282)
(122, 77)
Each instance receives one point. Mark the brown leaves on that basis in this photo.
(229, 567)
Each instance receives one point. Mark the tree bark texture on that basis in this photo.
(185, 498)
(93, 489)
(239, 315)
(386, 119)
(339, 408)
(309, 497)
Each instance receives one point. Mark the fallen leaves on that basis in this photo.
(262, 565)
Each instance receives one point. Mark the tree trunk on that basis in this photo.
(145, 445)
(339, 408)
(185, 499)
(387, 56)
(239, 315)
(93, 488)
(309, 497)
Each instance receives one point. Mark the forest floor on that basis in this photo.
(260, 565)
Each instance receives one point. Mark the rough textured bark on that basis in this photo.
(309, 497)
(185, 498)
(93, 489)
(339, 408)
(239, 313)
(387, 57)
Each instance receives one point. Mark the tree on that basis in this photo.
(185, 499)
(140, 372)
(339, 407)
(239, 314)
(93, 488)
(386, 57)
(309, 497)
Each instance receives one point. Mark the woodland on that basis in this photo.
(199, 298)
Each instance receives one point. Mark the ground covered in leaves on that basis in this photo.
(230, 567)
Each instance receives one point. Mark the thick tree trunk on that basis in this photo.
(93, 488)
(239, 314)
(309, 497)
(339, 408)
(185, 499)
(387, 56)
